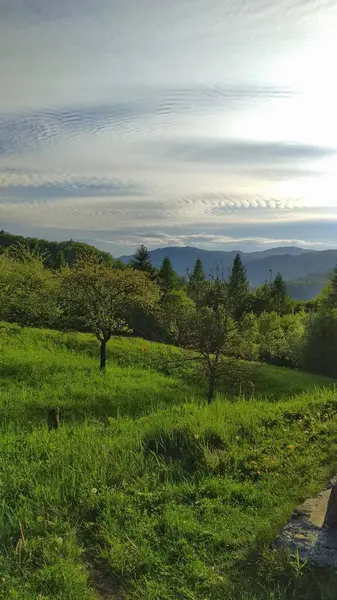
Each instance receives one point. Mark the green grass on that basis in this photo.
(169, 498)
(238, 378)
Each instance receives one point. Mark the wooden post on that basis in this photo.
(53, 418)
(330, 520)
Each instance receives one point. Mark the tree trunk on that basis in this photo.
(213, 372)
(331, 511)
(211, 386)
(102, 355)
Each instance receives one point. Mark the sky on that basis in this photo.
(208, 123)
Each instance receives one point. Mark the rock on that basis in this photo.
(312, 530)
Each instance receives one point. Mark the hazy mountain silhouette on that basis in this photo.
(293, 263)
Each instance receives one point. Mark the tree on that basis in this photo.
(215, 294)
(167, 277)
(173, 308)
(211, 333)
(101, 298)
(28, 291)
(281, 338)
(50, 250)
(271, 336)
(209, 329)
(261, 300)
(60, 262)
(272, 297)
(196, 282)
(238, 289)
(328, 297)
(142, 260)
(279, 295)
(320, 349)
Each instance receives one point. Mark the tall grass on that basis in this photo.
(162, 496)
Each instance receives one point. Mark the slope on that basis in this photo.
(179, 503)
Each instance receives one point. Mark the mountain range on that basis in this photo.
(311, 266)
(306, 271)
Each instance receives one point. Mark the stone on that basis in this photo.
(311, 533)
(331, 512)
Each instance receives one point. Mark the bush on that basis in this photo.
(320, 348)
(281, 339)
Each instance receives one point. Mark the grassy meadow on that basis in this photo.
(145, 491)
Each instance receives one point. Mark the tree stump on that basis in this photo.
(330, 520)
(53, 418)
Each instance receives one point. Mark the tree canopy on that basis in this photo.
(167, 277)
(238, 288)
(101, 297)
(142, 260)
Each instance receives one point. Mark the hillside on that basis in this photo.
(144, 491)
(292, 263)
(54, 252)
(306, 288)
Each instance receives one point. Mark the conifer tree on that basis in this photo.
(238, 288)
(167, 277)
(196, 282)
(142, 260)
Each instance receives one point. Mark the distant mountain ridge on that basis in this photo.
(292, 262)
(306, 271)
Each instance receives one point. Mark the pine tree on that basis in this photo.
(142, 260)
(196, 283)
(238, 288)
(279, 295)
(167, 277)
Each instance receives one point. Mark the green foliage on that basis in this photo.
(173, 310)
(142, 260)
(28, 291)
(60, 260)
(196, 283)
(261, 300)
(281, 338)
(280, 301)
(319, 353)
(247, 343)
(328, 297)
(182, 502)
(215, 294)
(102, 297)
(321, 336)
(272, 297)
(167, 277)
(211, 333)
(51, 250)
(238, 289)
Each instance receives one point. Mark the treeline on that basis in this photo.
(54, 254)
(214, 318)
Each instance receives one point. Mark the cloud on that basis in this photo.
(245, 152)
(131, 116)
(209, 241)
(139, 109)
(68, 189)
(118, 212)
